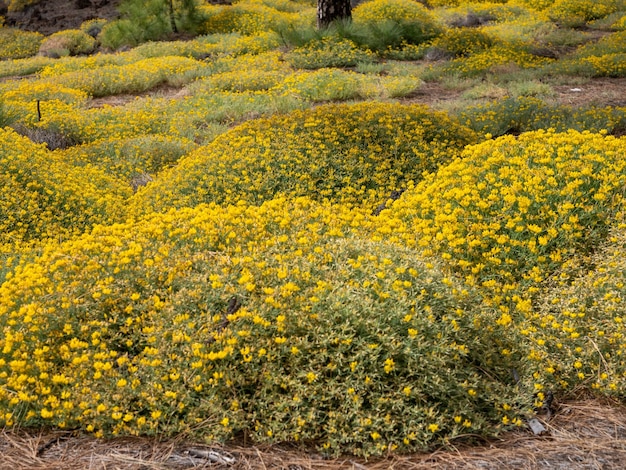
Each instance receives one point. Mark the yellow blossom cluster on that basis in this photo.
(16, 44)
(277, 321)
(231, 257)
(254, 16)
(371, 150)
(43, 197)
(511, 212)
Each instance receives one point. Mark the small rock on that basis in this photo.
(536, 427)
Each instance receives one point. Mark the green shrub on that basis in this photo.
(329, 52)
(271, 321)
(370, 150)
(67, 42)
(578, 331)
(149, 20)
(123, 32)
(574, 13)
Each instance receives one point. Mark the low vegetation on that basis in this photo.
(256, 231)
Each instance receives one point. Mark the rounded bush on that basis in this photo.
(68, 42)
(273, 321)
(329, 52)
(17, 44)
(512, 211)
(578, 12)
(396, 10)
(127, 158)
(43, 197)
(358, 154)
(579, 331)
(394, 22)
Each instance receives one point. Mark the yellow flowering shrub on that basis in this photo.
(370, 150)
(125, 159)
(537, 5)
(40, 90)
(16, 44)
(135, 77)
(27, 66)
(499, 12)
(396, 10)
(43, 197)
(67, 42)
(512, 211)
(240, 81)
(393, 22)
(273, 321)
(250, 17)
(522, 114)
(329, 52)
(620, 24)
(463, 41)
(490, 59)
(578, 331)
(578, 12)
(325, 84)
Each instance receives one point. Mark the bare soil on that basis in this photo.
(50, 16)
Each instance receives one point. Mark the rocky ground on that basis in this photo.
(49, 16)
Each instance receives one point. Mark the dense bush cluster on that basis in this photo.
(244, 233)
(271, 320)
(369, 151)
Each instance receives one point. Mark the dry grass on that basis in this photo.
(584, 434)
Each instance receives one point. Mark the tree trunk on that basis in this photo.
(331, 10)
(172, 18)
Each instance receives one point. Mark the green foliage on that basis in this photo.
(329, 52)
(271, 321)
(515, 115)
(370, 150)
(150, 20)
(67, 42)
(578, 331)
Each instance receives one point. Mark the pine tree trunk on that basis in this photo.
(331, 10)
(172, 18)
